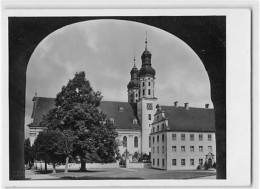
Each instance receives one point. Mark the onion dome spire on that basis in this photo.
(134, 77)
(146, 69)
(146, 41)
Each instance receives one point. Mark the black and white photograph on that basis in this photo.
(128, 98)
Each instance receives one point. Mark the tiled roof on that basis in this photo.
(191, 120)
(43, 105)
(123, 118)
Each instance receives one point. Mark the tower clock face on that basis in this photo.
(149, 106)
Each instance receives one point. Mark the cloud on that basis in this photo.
(104, 49)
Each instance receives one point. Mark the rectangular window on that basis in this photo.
(163, 138)
(158, 163)
(174, 162)
(173, 136)
(200, 137)
(209, 137)
(191, 161)
(153, 129)
(182, 161)
(209, 148)
(182, 137)
(157, 128)
(158, 150)
(153, 161)
(143, 93)
(191, 148)
(174, 149)
(162, 126)
(157, 118)
(201, 161)
(191, 137)
(158, 138)
(153, 150)
(153, 139)
(149, 117)
(149, 142)
(163, 149)
(200, 148)
(163, 162)
(183, 148)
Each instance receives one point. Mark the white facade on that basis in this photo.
(131, 137)
(145, 111)
(173, 150)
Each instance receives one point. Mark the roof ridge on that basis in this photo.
(189, 107)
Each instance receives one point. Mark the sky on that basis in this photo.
(105, 50)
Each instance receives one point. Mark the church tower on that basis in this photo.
(133, 85)
(147, 101)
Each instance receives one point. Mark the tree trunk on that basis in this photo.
(45, 166)
(83, 165)
(54, 169)
(66, 166)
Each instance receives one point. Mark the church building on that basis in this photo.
(145, 127)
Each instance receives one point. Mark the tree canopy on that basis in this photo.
(77, 112)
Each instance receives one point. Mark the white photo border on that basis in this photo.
(238, 97)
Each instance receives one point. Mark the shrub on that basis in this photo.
(206, 165)
(214, 165)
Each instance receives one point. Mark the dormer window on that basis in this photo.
(120, 109)
(112, 120)
(135, 121)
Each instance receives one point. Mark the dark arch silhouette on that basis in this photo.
(206, 35)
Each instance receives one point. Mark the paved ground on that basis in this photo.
(121, 173)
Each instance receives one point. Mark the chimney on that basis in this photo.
(186, 105)
(206, 106)
(176, 104)
(35, 97)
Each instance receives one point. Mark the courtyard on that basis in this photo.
(120, 174)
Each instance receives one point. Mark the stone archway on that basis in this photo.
(25, 33)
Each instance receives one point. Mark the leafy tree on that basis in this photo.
(136, 156)
(65, 146)
(77, 110)
(28, 153)
(206, 165)
(46, 146)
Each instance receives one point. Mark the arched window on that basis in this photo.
(149, 92)
(124, 141)
(136, 142)
(143, 84)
